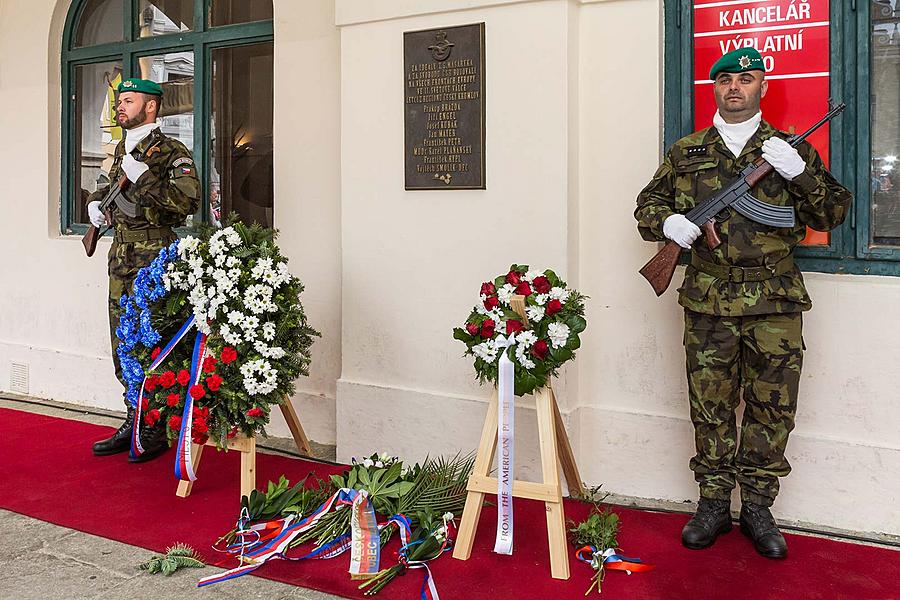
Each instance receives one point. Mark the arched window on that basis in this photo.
(213, 59)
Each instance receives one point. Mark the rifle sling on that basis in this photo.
(743, 274)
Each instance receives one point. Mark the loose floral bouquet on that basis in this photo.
(235, 284)
(544, 341)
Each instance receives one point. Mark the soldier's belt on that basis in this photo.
(129, 236)
(743, 274)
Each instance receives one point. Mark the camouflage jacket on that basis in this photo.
(693, 170)
(166, 194)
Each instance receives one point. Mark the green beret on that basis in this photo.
(738, 61)
(144, 86)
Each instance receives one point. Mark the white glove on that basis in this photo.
(783, 157)
(133, 168)
(680, 230)
(98, 219)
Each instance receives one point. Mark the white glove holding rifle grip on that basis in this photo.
(680, 230)
(133, 168)
(783, 157)
(98, 219)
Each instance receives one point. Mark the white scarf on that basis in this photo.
(134, 135)
(735, 135)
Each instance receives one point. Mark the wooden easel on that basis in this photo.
(247, 447)
(555, 450)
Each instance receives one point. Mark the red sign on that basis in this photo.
(793, 38)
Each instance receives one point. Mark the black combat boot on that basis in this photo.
(120, 441)
(154, 443)
(713, 518)
(758, 524)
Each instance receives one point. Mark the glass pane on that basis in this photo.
(174, 71)
(885, 111)
(96, 134)
(228, 12)
(240, 177)
(100, 23)
(159, 17)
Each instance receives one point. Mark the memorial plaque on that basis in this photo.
(444, 98)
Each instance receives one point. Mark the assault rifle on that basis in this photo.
(659, 270)
(115, 195)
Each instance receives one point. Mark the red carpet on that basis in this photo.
(48, 473)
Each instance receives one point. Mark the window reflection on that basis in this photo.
(885, 115)
(96, 135)
(241, 178)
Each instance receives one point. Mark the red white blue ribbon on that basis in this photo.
(277, 536)
(136, 448)
(503, 543)
(609, 559)
(184, 466)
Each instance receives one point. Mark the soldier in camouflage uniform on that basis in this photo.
(164, 185)
(743, 300)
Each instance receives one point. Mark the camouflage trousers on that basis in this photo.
(125, 259)
(755, 357)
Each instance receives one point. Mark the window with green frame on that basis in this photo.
(214, 60)
(864, 140)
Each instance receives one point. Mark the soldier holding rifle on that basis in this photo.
(160, 190)
(743, 295)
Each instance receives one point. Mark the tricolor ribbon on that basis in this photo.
(506, 446)
(609, 559)
(429, 588)
(184, 466)
(136, 448)
(276, 536)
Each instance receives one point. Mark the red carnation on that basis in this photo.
(541, 284)
(491, 302)
(228, 355)
(151, 383)
(200, 439)
(201, 413)
(488, 289)
(513, 278)
(175, 422)
(145, 404)
(199, 426)
(232, 434)
(487, 328)
(523, 289)
(167, 379)
(540, 349)
(173, 400)
(209, 364)
(472, 328)
(255, 412)
(214, 382)
(151, 417)
(155, 353)
(553, 307)
(183, 377)
(514, 326)
(197, 392)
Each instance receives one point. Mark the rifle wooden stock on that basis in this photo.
(659, 270)
(90, 240)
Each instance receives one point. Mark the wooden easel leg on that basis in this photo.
(184, 487)
(474, 499)
(566, 456)
(293, 423)
(248, 467)
(556, 525)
